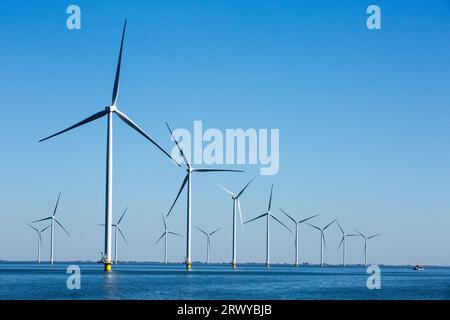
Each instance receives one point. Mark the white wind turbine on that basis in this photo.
(109, 111)
(53, 219)
(188, 180)
(296, 232)
(236, 206)
(165, 234)
(323, 244)
(208, 242)
(365, 243)
(268, 215)
(117, 228)
(343, 242)
(39, 233)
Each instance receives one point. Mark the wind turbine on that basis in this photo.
(343, 242)
(53, 219)
(365, 244)
(117, 228)
(109, 111)
(188, 180)
(236, 206)
(296, 231)
(208, 242)
(322, 238)
(269, 215)
(39, 232)
(165, 233)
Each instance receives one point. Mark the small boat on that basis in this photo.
(418, 268)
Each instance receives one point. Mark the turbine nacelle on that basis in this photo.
(112, 108)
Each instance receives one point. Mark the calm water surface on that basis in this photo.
(154, 281)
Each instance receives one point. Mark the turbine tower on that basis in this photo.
(188, 180)
(109, 111)
(117, 228)
(39, 233)
(165, 233)
(268, 215)
(208, 242)
(323, 244)
(53, 219)
(365, 244)
(343, 242)
(236, 206)
(296, 232)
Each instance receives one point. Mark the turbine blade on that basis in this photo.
(160, 237)
(56, 220)
(375, 235)
(176, 234)
(311, 225)
(87, 120)
(179, 192)
(276, 219)
(216, 170)
(56, 206)
(329, 224)
(214, 231)
(118, 222)
(343, 233)
(41, 220)
(116, 80)
(309, 218)
(258, 217)
(46, 228)
(33, 228)
(270, 199)
(164, 221)
(186, 162)
(133, 125)
(288, 215)
(204, 232)
(246, 186)
(225, 189)
(360, 233)
(340, 244)
(121, 233)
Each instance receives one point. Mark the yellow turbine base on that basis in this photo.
(233, 264)
(107, 266)
(188, 265)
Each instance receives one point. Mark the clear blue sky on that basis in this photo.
(364, 119)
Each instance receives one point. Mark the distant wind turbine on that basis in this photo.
(188, 180)
(117, 228)
(165, 234)
(344, 242)
(296, 232)
(39, 233)
(269, 215)
(53, 219)
(365, 243)
(236, 206)
(322, 238)
(109, 111)
(208, 242)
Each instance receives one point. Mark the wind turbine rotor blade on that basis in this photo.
(342, 241)
(329, 224)
(343, 233)
(87, 120)
(67, 232)
(238, 202)
(202, 231)
(41, 220)
(33, 228)
(315, 227)
(246, 186)
(270, 199)
(121, 233)
(186, 162)
(164, 233)
(258, 217)
(309, 218)
(57, 203)
(175, 234)
(164, 221)
(214, 231)
(216, 170)
(276, 219)
(179, 192)
(360, 234)
(46, 228)
(375, 235)
(119, 62)
(133, 125)
(121, 217)
(225, 189)
(288, 215)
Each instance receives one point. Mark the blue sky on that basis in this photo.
(364, 121)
